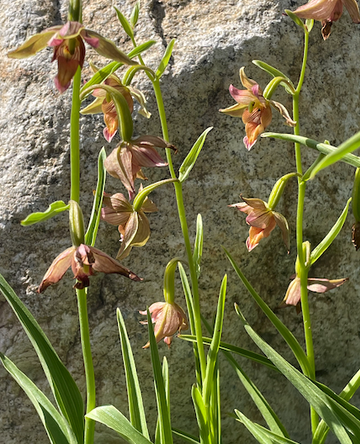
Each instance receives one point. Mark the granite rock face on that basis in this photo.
(213, 40)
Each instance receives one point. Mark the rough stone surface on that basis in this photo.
(213, 40)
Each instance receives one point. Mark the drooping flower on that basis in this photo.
(84, 262)
(133, 225)
(327, 12)
(254, 109)
(262, 221)
(69, 49)
(168, 319)
(317, 285)
(102, 105)
(127, 159)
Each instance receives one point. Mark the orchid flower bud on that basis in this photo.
(76, 220)
(278, 190)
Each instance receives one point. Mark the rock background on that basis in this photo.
(213, 40)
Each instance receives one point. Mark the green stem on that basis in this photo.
(185, 231)
(75, 11)
(88, 363)
(75, 139)
(303, 267)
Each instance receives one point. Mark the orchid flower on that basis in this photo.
(262, 221)
(327, 12)
(168, 318)
(84, 261)
(254, 109)
(127, 159)
(69, 49)
(102, 105)
(133, 225)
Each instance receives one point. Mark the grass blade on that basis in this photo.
(185, 436)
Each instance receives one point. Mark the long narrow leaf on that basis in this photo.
(329, 238)
(256, 357)
(341, 151)
(215, 344)
(56, 427)
(165, 372)
(281, 328)
(269, 415)
(185, 436)
(262, 434)
(124, 23)
(198, 244)
(91, 233)
(190, 159)
(323, 148)
(135, 402)
(115, 420)
(337, 418)
(347, 393)
(201, 414)
(63, 386)
(165, 60)
(189, 304)
(163, 409)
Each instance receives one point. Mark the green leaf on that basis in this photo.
(185, 436)
(269, 415)
(190, 159)
(124, 23)
(56, 427)
(339, 153)
(109, 69)
(56, 207)
(334, 414)
(135, 14)
(323, 148)
(135, 402)
(115, 420)
(162, 406)
(130, 73)
(275, 73)
(198, 244)
(296, 19)
(262, 434)
(329, 238)
(165, 60)
(142, 195)
(190, 308)
(347, 393)
(215, 344)
(256, 357)
(63, 386)
(201, 414)
(281, 328)
(91, 233)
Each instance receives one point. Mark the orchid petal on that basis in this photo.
(57, 269)
(282, 223)
(244, 97)
(316, 9)
(284, 112)
(353, 8)
(34, 44)
(94, 108)
(235, 110)
(106, 47)
(323, 285)
(106, 264)
(248, 83)
(130, 231)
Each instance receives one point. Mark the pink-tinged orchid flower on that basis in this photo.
(327, 12)
(101, 104)
(133, 225)
(84, 261)
(254, 109)
(69, 49)
(262, 221)
(317, 285)
(127, 159)
(168, 319)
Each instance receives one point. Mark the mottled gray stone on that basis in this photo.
(213, 40)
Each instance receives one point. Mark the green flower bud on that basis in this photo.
(76, 220)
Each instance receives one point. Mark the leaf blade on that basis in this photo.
(54, 208)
